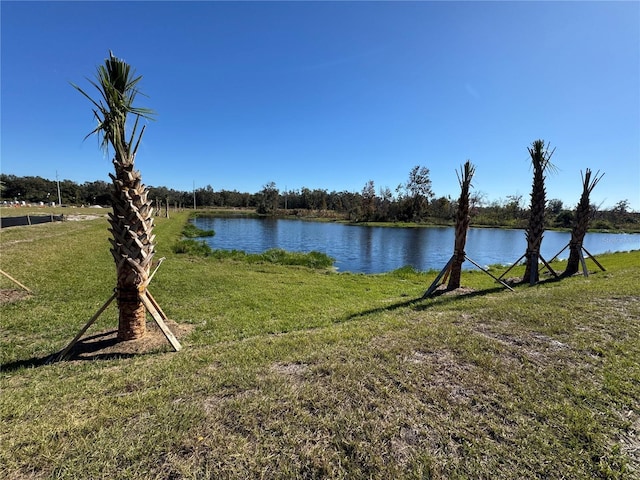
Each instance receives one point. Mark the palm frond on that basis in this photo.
(87, 95)
(118, 88)
(540, 156)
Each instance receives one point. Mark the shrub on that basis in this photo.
(404, 272)
(192, 247)
(311, 259)
(191, 231)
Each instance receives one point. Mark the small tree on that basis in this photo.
(268, 203)
(368, 201)
(462, 223)
(419, 192)
(583, 217)
(133, 244)
(541, 163)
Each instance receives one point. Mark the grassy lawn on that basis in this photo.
(291, 372)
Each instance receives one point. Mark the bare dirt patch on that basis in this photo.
(443, 290)
(9, 295)
(293, 369)
(79, 218)
(106, 345)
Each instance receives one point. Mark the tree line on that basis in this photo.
(412, 201)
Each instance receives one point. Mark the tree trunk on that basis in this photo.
(132, 248)
(584, 214)
(458, 260)
(535, 229)
(540, 160)
(462, 225)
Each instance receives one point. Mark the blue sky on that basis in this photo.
(333, 94)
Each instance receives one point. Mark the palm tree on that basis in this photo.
(131, 220)
(462, 224)
(584, 214)
(541, 162)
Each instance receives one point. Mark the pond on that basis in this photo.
(363, 249)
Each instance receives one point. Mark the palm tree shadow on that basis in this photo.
(32, 362)
(99, 346)
(443, 297)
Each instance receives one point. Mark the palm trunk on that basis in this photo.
(584, 214)
(462, 225)
(132, 248)
(534, 235)
(540, 159)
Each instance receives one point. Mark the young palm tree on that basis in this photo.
(584, 214)
(541, 162)
(131, 220)
(462, 224)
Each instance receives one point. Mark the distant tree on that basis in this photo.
(541, 163)
(268, 199)
(620, 212)
(513, 207)
(621, 207)
(554, 207)
(317, 199)
(368, 207)
(383, 206)
(477, 199)
(442, 208)
(96, 193)
(564, 219)
(418, 188)
(205, 197)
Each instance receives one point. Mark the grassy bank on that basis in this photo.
(292, 372)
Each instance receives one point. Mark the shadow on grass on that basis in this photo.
(100, 346)
(443, 297)
(29, 363)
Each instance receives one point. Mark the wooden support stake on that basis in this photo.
(14, 280)
(436, 283)
(594, 259)
(489, 273)
(157, 314)
(447, 269)
(557, 254)
(546, 264)
(68, 348)
(585, 271)
(514, 264)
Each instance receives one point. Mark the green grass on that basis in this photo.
(277, 256)
(191, 231)
(298, 372)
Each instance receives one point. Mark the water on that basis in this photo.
(382, 249)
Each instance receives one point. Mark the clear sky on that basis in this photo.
(333, 94)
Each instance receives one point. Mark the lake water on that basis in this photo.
(382, 249)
